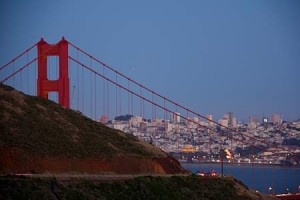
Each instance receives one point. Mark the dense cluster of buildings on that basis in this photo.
(267, 141)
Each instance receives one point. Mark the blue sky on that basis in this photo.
(211, 56)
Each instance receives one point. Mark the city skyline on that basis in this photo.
(274, 118)
(213, 57)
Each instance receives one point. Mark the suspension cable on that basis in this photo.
(18, 70)
(147, 100)
(163, 97)
(4, 66)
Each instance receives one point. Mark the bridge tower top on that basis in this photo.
(61, 85)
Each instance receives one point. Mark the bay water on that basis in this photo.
(268, 179)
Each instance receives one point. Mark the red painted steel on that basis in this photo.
(62, 85)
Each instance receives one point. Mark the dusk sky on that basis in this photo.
(240, 56)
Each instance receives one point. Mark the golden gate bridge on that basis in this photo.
(65, 73)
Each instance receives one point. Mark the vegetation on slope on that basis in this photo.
(189, 187)
(42, 127)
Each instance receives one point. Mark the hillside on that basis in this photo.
(189, 187)
(38, 136)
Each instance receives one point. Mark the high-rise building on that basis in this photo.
(223, 122)
(253, 121)
(234, 122)
(231, 120)
(276, 119)
(175, 117)
(265, 120)
(210, 117)
(196, 119)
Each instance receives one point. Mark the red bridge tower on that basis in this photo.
(61, 86)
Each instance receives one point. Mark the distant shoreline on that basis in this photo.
(239, 164)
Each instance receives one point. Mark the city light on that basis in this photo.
(193, 138)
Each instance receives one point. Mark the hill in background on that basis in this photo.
(38, 135)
